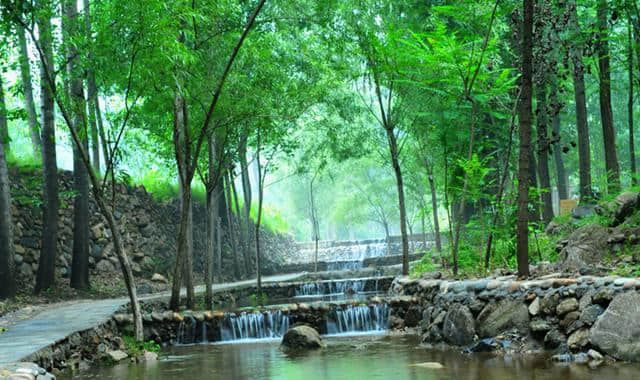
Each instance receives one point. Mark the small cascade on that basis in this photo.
(187, 331)
(313, 289)
(359, 319)
(270, 324)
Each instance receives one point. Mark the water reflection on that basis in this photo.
(363, 357)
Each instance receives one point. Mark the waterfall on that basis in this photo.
(358, 319)
(187, 330)
(330, 288)
(270, 324)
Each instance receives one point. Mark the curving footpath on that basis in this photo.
(51, 326)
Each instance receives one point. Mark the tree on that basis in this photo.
(80, 259)
(525, 141)
(27, 92)
(584, 155)
(49, 248)
(4, 126)
(7, 263)
(632, 153)
(604, 75)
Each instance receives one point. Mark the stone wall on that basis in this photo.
(576, 318)
(149, 231)
(323, 266)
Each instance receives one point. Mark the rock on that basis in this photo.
(585, 248)
(626, 203)
(590, 314)
(603, 296)
(429, 365)
(96, 231)
(459, 326)
(617, 330)
(534, 307)
(24, 371)
(157, 277)
(554, 338)
(549, 303)
(104, 266)
(150, 356)
(302, 338)
(578, 340)
(505, 315)
(117, 355)
(566, 306)
(539, 326)
(581, 358)
(26, 270)
(562, 358)
(595, 355)
(583, 211)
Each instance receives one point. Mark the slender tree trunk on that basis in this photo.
(243, 232)
(231, 230)
(632, 153)
(395, 162)
(543, 153)
(211, 224)
(219, 248)
(608, 131)
(387, 236)
(314, 222)
(434, 207)
(246, 191)
(4, 126)
(561, 175)
(259, 217)
(80, 259)
(7, 262)
(222, 224)
(92, 92)
(188, 262)
(101, 130)
(27, 90)
(584, 155)
(525, 142)
(45, 277)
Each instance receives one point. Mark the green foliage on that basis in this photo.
(135, 348)
(256, 300)
(425, 265)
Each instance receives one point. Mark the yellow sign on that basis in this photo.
(566, 205)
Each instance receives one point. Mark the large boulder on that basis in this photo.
(459, 326)
(584, 248)
(620, 208)
(506, 315)
(617, 330)
(302, 338)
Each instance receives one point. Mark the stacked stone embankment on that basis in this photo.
(575, 318)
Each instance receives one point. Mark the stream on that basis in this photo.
(354, 357)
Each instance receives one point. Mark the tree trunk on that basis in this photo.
(387, 237)
(188, 262)
(45, 277)
(92, 92)
(543, 153)
(221, 224)
(27, 90)
(231, 230)
(534, 212)
(561, 175)
(246, 192)
(434, 207)
(259, 217)
(604, 73)
(525, 142)
(584, 155)
(211, 225)
(4, 127)
(101, 130)
(632, 153)
(7, 262)
(182, 262)
(80, 261)
(243, 232)
(393, 147)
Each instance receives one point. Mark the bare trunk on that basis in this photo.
(231, 230)
(543, 153)
(101, 131)
(91, 92)
(4, 127)
(80, 260)
(632, 153)
(584, 155)
(561, 174)
(27, 91)
(246, 191)
(244, 244)
(525, 143)
(608, 132)
(208, 257)
(259, 218)
(434, 206)
(45, 277)
(7, 263)
(393, 147)
(387, 237)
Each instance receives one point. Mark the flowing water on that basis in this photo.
(361, 357)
